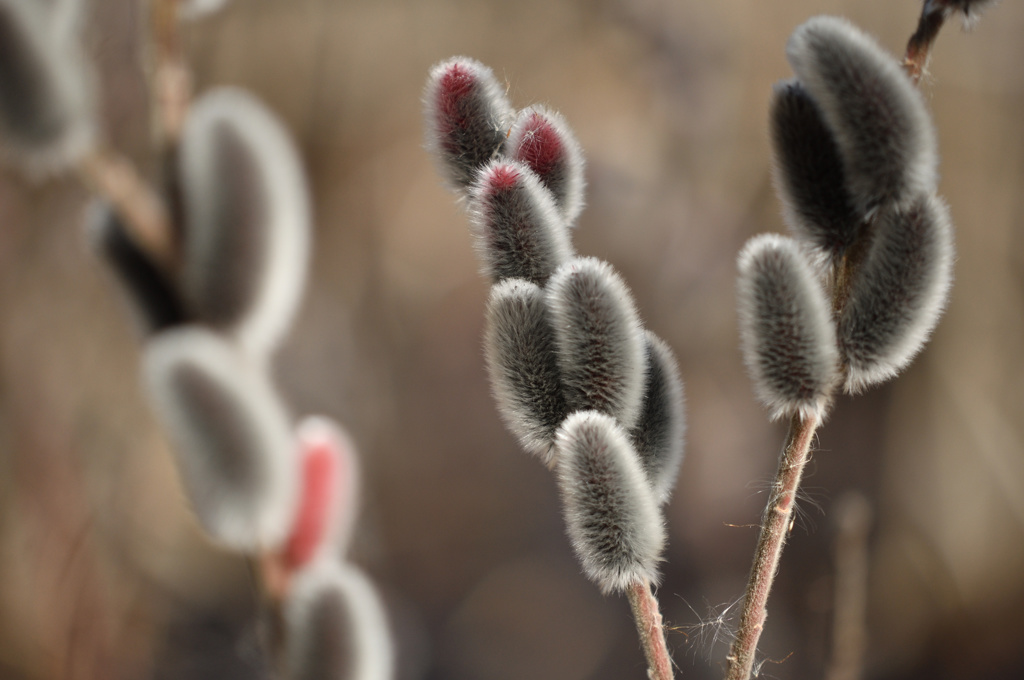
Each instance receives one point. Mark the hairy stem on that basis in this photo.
(775, 526)
(171, 80)
(652, 633)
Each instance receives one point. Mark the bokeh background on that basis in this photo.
(103, 573)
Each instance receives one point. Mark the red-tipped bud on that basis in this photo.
(467, 117)
(519, 232)
(328, 495)
(543, 140)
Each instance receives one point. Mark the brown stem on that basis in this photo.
(144, 214)
(933, 15)
(775, 526)
(172, 82)
(652, 632)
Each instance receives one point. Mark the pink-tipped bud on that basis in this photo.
(543, 140)
(519, 233)
(467, 117)
(247, 219)
(233, 442)
(46, 100)
(336, 626)
(328, 495)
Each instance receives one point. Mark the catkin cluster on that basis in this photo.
(214, 314)
(577, 378)
(853, 295)
(259, 483)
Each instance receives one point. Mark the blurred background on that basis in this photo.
(103, 572)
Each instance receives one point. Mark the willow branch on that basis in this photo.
(775, 526)
(652, 632)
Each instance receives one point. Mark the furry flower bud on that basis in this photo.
(543, 140)
(879, 119)
(610, 513)
(519, 344)
(809, 172)
(467, 117)
(46, 102)
(336, 626)
(247, 219)
(233, 441)
(519, 232)
(156, 300)
(658, 433)
(599, 339)
(898, 293)
(328, 498)
(786, 329)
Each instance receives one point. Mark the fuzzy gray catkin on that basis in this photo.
(899, 292)
(46, 100)
(233, 441)
(611, 515)
(519, 231)
(879, 119)
(519, 345)
(786, 329)
(599, 339)
(247, 219)
(658, 433)
(467, 117)
(336, 626)
(809, 175)
(542, 139)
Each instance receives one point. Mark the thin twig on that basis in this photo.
(933, 16)
(172, 81)
(145, 215)
(652, 632)
(849, 630)
(775, 526)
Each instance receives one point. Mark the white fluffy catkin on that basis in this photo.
(542, 139)
(467, 117)
(898, 293)
(337, 628)
(519, 345)
(786, 328)
(809, 173)
(599, 339)
(658, 433)
(611, 514)
(247, 219)
(878, 117)
(47, 109)
(232, 438)
(519, 231)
